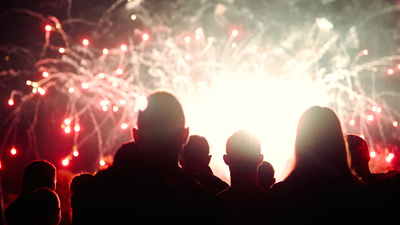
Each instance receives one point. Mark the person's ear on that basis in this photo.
(185, 136)
(225, 157)
(135, 134)
(208, 159)
(261, 159)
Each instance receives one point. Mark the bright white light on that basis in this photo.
(45, 74)
(388, 159)
(75, 153)
(85, 85)
(65, 162)
(71, 90)
(85, 42)
(197, 36)
(115, 108)
(47, 28)
(102, 162)
(67, 130)
(352, 122)
(119, 71)
(370, 117)
(141, 103)
(13, 151)
(234, 45)
(255, 104)
(145, 37)
(124, 126)
(124, 48)
(77, 128)
(391, 155)
(122, 102)
(379, 110)
(67, 121)
(390, 71)
(104, 108)
(61, 50)
(133, 17)
(235, 33)
(105, 51)
(395, 123)
(10, 102)
(372, 154)
(101, 75)
(365, 52)
(187, 39)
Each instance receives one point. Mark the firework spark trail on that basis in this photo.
(202, 70)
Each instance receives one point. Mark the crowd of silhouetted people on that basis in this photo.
(163, 177)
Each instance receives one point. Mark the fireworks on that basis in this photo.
(233, 79)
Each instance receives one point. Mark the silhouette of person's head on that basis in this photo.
(161, 127)
(79, 182)
(243, 151)
(359, 155)
(125, 156)
(266, 175)
(196, 151)
(39, 173)
(320, 149)
(44, 207)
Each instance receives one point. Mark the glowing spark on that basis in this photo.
(365, 52)
(85, 85)
(104, 108)
(77, 128)
(101, 75)
(34, 90)
(85, 42)
(390, 71)
(379, 110)
(67, 129)
(374, 108)
(115, 108)
(197, 36)
(10, 102)
(122, 102)
(398, 66)
(145, 37)
(370, 117)
(65, 162)
(133, 17)
(372, 154)
(103, 102)
(187, 39)
(28, 82)
(67, 121)
(58, 26)
(124, 48)
(75, 153)
(13, 151)
(119, 71)
(41, 91)
(61, 50)
(45, 74)
(395, 123)
(102, 162)
(105, 51)
(352, 122)
(71, 90)
(141, 103)
(35, 85)
(124, 126)
(115, 84)
(391, 155)
(47, 28)
(235, 33)
(234, 45)
(388, 159)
